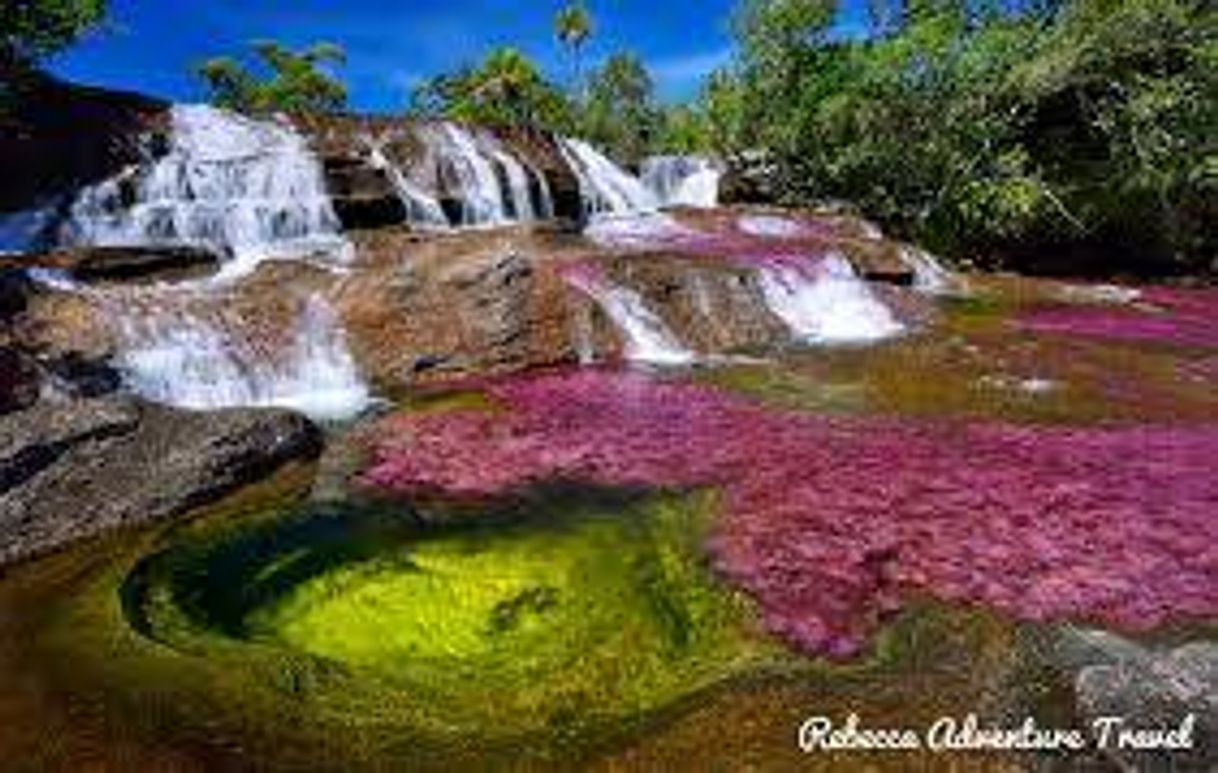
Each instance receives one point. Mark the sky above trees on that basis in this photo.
(391, 46)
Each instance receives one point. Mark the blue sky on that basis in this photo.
(151, 45)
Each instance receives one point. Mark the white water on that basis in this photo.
(422, 209)
(770, 226)
(605, 187)
(471, 162)
(647, 338)
(183, 360)
(828, 304)
(518, 185)
(246, 189)
(638, 231)
(682, 181)
(930, 275)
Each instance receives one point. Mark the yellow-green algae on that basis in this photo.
(116, 673)
(559, 616)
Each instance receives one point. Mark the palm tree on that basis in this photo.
(573, 27)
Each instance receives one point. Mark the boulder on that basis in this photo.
(74, 469)
(1146, 688)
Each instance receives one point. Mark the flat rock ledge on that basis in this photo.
(73, 469)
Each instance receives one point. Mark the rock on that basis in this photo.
(1148, 688)
(748, 179)
(60, 136)
(363, 196)
(446, 308)
(75, 469)
(879, 261)
(91, 264)
(19, 382)
(76, 375)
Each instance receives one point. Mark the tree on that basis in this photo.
(505, 89)
(620, 113)
(33, 30)
(288, 81)
(573, 28)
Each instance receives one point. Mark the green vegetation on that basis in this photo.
(620, 113)
(287, 81)
(506, 89)
(978, 130)
(573, 27)
(32, 31)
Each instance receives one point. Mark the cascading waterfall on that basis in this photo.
(826, 304)
(519, 195)
(422, 210)
(930, 276)
(492, 186)
(178, 358)
(243, 188)
(648, 339)
(605, 187)
(682, 181)
(481, 196)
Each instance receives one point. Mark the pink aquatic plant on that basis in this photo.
(1167, 315)
(830, 523)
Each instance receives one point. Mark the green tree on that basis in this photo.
(31, 30)
(286, 80)
(506, 89)
(620, 113)
(573, 26)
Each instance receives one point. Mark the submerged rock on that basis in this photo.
(75, 469)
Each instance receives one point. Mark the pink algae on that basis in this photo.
(831, 523)
(1168, 315)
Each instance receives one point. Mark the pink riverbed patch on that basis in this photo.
(831, 523)
(1171, 316)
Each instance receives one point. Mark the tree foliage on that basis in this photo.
(620, 113)
(285, 81)
(980, 128)
(31, 30)
(573, 26)
(505, 89)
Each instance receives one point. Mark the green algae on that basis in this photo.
(572, 615)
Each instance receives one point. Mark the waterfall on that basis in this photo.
(648, 339)
(492, 186)
(604, 186)
(422, 210)
(827, 304)
(246, 189)
(682, 181)
(519, 194)
(930, 275)
(181, 359)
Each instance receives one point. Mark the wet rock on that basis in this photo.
(60, 136)
(79, 376)
(93, 264)
(74, 469)
(363, 196)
